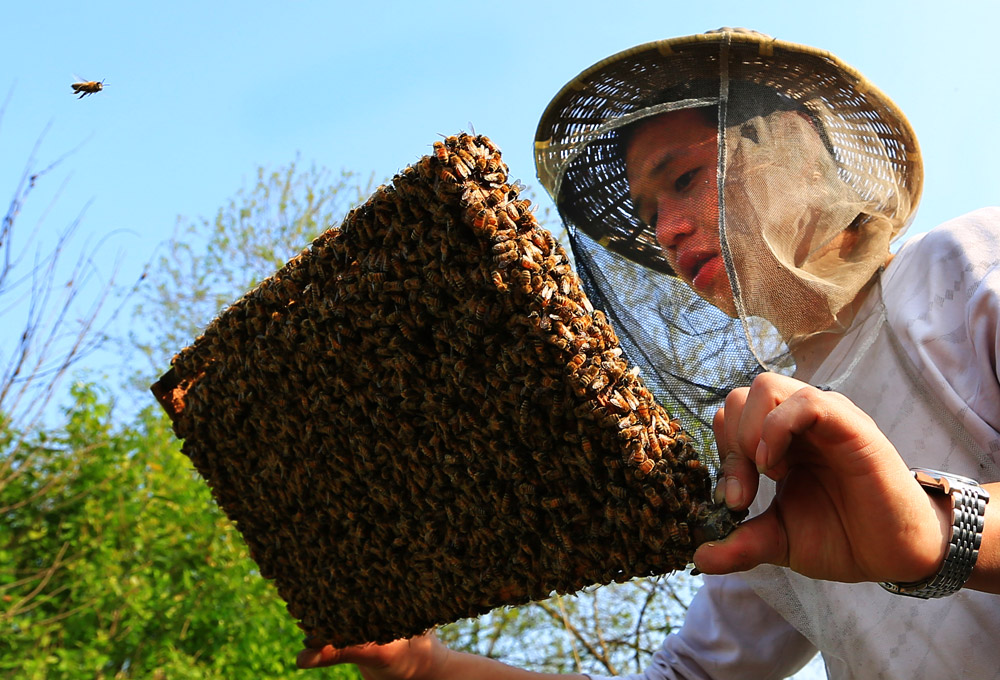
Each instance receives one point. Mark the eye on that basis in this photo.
(685, 180)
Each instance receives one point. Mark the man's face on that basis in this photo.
(671, 163)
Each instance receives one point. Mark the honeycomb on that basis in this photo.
(421, 417)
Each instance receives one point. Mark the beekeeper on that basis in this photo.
(731, 201)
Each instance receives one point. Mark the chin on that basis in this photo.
(719, 296)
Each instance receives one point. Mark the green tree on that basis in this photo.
(127, 569)
(114, 561)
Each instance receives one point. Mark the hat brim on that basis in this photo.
(578, 156)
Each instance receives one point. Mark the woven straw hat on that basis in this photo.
(580, 163)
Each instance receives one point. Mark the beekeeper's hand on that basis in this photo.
(847, 507)
(419, 658)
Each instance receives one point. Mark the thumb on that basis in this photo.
(756, 541)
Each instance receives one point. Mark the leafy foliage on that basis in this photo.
(124, 566)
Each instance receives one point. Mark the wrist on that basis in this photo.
(967, 502)
(943, 508)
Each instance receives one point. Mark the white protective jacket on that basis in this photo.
(927, 372)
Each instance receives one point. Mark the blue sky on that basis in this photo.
(200, 94)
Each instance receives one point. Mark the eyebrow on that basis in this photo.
(668, 158)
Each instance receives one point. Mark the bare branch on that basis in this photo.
(568, 625)
(575, 632)
(46, 575)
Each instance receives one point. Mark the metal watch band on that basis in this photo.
(968, 516)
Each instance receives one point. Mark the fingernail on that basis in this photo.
(760, 457)
(720, 491)
(734, 492)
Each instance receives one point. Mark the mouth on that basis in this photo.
(691, 264)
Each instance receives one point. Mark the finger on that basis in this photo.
(769, 392)
(738, 484)
(328, 655)
(756, 541)
(824, 420)
(319, 658)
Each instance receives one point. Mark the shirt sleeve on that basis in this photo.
(728, 632)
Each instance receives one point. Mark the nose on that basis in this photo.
(672, 223)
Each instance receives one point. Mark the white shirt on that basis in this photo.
(927, 372)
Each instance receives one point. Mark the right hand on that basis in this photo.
(407, 659)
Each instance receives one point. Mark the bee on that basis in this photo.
(643, 411)
(522, 278)
(480, 310)
(559, 343)
(488, 143)
(498, 281)
(505, 222)
(441, 152)
(528, 263)
(630, 433)
(654, 446)
(581, 324)
(599, 383)
(484, 217)
(575, 363)
(85, 87)
(504, 247)
(618, 492)
(545, 294)
(461, 169)
(451, 182)
(506, 258)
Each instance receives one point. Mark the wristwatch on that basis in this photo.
(968, 515)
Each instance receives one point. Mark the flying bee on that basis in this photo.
(85, 87)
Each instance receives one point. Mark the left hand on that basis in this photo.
(847, 508)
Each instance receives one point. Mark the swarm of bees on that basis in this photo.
(421, 416)
(85, 87)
